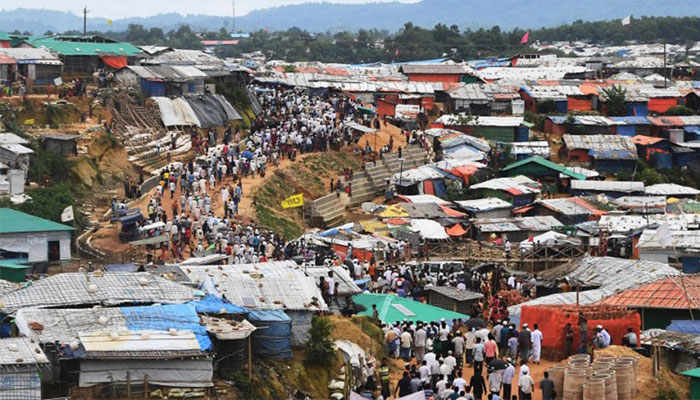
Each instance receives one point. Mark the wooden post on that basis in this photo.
(128, 383)
(250, 358)
(111, 387)
(145, 386)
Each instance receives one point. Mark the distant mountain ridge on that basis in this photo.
(321, 17)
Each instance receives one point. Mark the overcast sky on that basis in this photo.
(145, 8)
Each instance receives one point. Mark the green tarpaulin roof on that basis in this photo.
(694, 373)
(547, 164)
(13, 266)
(13, 221)
(393, 308)
(76, 48)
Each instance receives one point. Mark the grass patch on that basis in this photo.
(288, 229)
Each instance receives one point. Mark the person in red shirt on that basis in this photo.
(491, 349)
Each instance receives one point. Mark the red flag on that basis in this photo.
(478, 54)
(525, 38)
(396, 53)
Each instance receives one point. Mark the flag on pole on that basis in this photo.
(478, 54)
(525, 38)
(109, 22)
(627, 20)
(663, 235)
(293, 201)
(67, 214)
(396, 53)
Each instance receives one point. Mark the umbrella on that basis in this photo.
(247, 154)
(476, 323)
(497, 364)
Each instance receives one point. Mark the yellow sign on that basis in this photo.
(29, 121)
(293, 201)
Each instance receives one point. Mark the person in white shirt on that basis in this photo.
(450, 360)
(507, 376)
(524, 369)
(445, 369)
(495, 381)
(536, 338)
(459, 382)
(470, 339)
(526, 386)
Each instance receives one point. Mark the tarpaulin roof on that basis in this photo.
(176, 112)
(516, 185)
(484, 204)
(75, 48)
(547, 164)
(684, 326)
(210, 304)
(429, 229)
(13, 221)
(392, 308)
(456, 230)
(5, 59)
(608, 186)
(394, 211)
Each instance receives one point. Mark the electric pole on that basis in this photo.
(85, 13)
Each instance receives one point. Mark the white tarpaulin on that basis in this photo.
(14, 244)
(176, 112)
(429, 229)
(38, 247)
(177, 373)
(64, 249)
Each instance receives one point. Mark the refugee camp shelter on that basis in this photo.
(39, 66)
(162, 80)
(679, 351)
(346, 285)
(671, 190)
(450, 298)
(515, 229)
(74, 289)
(488, 207)
(598, 277)
(694, 375)
(60, 144)
(568, 210)
(447, 73)
(21, 361)
(544, 171)
(203, 111)
(87, 54)
(13, 153)
(277, 285)
(602, 152)
(609, 188)
(39, 240)
(661, 301)
(393, 309)
(684, 248)
(501, 129)
(518, 190)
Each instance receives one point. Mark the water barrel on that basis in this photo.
(556, 374)
(573, 385)
(635, 361)
(579, 363)
(580, 357)
(594, 390)
(623, 378)
(610, 385)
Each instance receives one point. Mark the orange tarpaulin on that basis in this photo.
(456, 230)
(452, 213)
(396, 221)
(116, 62)
(464, 171)
(428, 187)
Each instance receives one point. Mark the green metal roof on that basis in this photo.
(5, 36)
(547, 164)
(693, 373)
(13, 221)
(13, 266)
(390, 309)
(75, 48)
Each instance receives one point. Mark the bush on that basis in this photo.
(47, 167)
(49, 203)
(319, 348)
(679, 111)
(546, 107)
(536, 119)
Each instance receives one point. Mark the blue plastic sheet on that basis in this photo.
(163, 318)
(274, 339)
(684, 326)
(213, 305)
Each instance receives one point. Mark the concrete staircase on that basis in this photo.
(366, 185)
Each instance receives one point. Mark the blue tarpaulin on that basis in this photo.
(213, 305)
(684, 326)
(121, 267)
(274, 338)
(163, 318)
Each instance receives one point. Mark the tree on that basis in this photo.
(319, 348)
(616, 99)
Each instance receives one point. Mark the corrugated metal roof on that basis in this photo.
(265, 286)
(677, 292)
(454, 293)
(570, 206)
(642, 204)
(627, 223)
(608, 186)
(449, 69)
(137, 345)
(516, 185)
(547, 164)
(449, 119)
(527, 224)
(184, 57)
(682, 240)
(17, 149)
(20, 351)
(11, 138)
(485, 204)
(687, 342)
(522, 74)
(671, 189)
(71, 48)
(588, 173)
(599, 142)
(472, 92)
(28, 55)
(346, 285)
(537, 148)
(109, 288)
